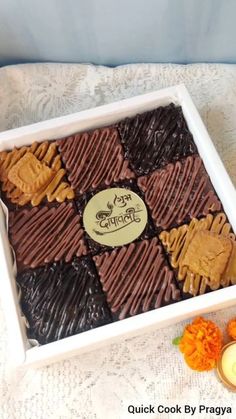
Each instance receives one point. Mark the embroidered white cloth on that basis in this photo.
(147, 369)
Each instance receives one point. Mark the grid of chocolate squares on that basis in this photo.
(68, 282)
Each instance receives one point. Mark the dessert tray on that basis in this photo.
(114, 221)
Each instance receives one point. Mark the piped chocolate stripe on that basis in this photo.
(156, 138)
(179, 192)
(136, 278)
(61, 300)
(94, 158)
(43, 235)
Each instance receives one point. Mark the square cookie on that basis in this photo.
(208, 254)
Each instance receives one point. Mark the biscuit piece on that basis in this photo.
(208, 254)
(229, 275)
(29, 174)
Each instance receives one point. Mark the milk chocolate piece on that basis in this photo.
(179, 192)
(208, 255)
(46, 234)
(156, 138)
(61, 300)
(30, 174)
(94, 158)
(177, 241)
(136, 278)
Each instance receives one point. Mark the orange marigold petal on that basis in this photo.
(201, 344)
(231, 328)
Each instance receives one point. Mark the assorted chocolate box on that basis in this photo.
(113, 222)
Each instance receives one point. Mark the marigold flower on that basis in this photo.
(231, 329)
(201, 344)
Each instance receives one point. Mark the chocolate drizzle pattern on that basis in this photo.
(179, 192)
(43, 235)
(156, 138)
(177, 240)
(136, 278)
(61, 300)
(94, 158)
(54, 187)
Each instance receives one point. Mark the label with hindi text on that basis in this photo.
(115, 216)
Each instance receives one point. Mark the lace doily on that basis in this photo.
(143, 370)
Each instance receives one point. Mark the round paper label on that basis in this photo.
(115, 217)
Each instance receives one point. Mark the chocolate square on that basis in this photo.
(179, 192)
(93, 159)
(136, 278)
(155, 138)
(45, 234)
(61, 300)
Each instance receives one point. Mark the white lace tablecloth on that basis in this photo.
(143, 370)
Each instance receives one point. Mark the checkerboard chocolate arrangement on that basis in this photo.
(72, 280)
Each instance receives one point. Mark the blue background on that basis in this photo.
(113, 32)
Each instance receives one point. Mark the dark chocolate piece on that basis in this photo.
(136, 278)
(61, 300)
(94, 158)
(46, 234)
(179, 192)
(156, 138)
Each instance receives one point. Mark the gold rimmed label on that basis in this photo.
(115, 217)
